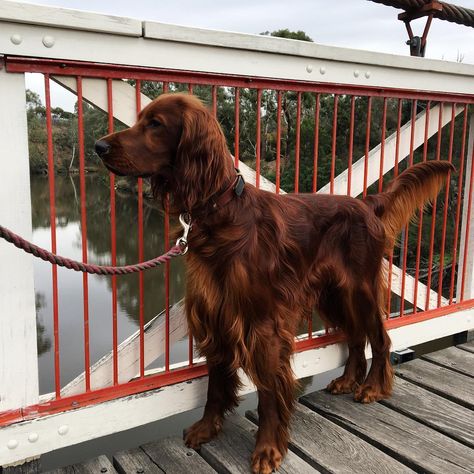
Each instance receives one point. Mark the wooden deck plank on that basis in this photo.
(30, 467)
(467, 346)
(330, 448)
(172, 456)
(454, 359)
(414, 444)
(445, 382)
(231, 451)
(432, 410)
(133, 461)
(97, 465)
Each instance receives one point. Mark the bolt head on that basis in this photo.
(16, 39)
(62, 430)
(356, 73)
(367, 74)
(48, 41)
(322, 70)
(12, 444)
(309, 68)
(33, 437)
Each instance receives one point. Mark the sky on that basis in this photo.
(359, 24)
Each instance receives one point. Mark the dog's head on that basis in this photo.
(178, 143)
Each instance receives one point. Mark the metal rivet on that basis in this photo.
(12, 444)
(16, 39)
(140, 470)
(309, 68)
(367, 74)
(62, 430)
(104, 469)
(189, 453)
(356, 73)
(48, 41)
(33, 437)
(322, 70)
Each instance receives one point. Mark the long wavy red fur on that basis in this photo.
(258, 265)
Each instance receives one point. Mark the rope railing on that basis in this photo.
(453, 13)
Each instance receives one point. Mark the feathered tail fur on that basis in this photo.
(411, 190)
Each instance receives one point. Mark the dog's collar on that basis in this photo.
(234, 189)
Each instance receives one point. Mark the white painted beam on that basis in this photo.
(129, 352)
(89, 423)
(18, 356)
(215, 52)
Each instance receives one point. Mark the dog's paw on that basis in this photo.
(266, 459)
(342, 385)
(201, 432)
(368, 394)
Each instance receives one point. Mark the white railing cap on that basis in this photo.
(271, 44)
(20, 12)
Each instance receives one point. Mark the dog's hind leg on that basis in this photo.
(337, 307)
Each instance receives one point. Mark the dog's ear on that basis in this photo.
(201, 147)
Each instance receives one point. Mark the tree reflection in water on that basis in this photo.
(100, 287)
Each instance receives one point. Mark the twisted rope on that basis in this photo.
(452, 13)
(28, 247)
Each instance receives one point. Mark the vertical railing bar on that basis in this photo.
(278, 144)
(258, 138)
(333, 144)
(458, 206)
(395, 173)
(113, 240)
(397, 140)
(167, 284)
(237, 127)
(214, 100)
(468, 225)
(420, 216)
(141, 255)
(190, 88)
(446, 204)
(414, 105)
(297, 141)
(166, 87)
(367, 144)
(82, 181)
(52, 219)
(316, 144)
(382, 144)
(433, 217)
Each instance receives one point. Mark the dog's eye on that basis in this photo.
(153, 123)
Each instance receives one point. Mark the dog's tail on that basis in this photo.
(411, 190)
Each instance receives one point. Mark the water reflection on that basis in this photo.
(71, 304)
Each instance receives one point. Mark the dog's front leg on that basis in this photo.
(221, 398)
(276, 391)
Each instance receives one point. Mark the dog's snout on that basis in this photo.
(102, 147)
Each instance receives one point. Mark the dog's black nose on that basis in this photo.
(101, 147)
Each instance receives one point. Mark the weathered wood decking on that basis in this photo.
(427, 426)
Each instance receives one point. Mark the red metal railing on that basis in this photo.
(308, 134)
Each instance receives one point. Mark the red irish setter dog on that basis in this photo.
(258, 263)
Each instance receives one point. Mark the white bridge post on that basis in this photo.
(18, 354)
